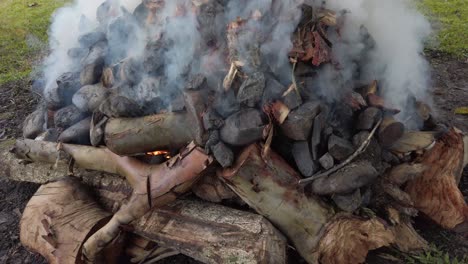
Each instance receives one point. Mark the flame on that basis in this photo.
(166, 153)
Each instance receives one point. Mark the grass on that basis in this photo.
(435, 256)
(450, 18)
(23, 35)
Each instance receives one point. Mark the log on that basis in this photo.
(128, 136)
(58, 219)
(185, 225)
(269, 186)
(435, 192)
(153, 185)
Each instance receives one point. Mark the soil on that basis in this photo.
(450, 89)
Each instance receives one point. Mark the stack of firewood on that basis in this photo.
(332, 180)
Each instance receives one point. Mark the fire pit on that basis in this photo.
(292, 123)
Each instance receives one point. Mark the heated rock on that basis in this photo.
(226, 104)
(348, 202)
(339, 148)
(299, 122)
(243, 127)
(223, 154)
(359, 138)
(327, 161)
(346, 180)
(213, 139)
(68, 116)
(78, 53)
(90, 39)
(319, 123)
(90, 97)
(292, 99)
(211, 120)
(273, 90)
(131, 71)
(92, 72)
(251, 90)
(196, 82)
(78, 133)
(34, 124)
(368, 118)
(61, 95)
(303, 159)
(98, 51)
(120, 106)
(50, 135)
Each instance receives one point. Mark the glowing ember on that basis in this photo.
(166, 153)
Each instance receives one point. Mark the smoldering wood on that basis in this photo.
(212, 189)
(196, 105)
(78, 133)
(107, 78)
(68, 116)
(96, 129)
(339, 148)
(127, 136)
(90, 97)
(244, 127)
(298, 125)
(346, 180)
(303, 158)
(405, 172)
(185, 225)
(34, 124)
(390, 131)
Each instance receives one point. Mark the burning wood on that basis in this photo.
(286, 141)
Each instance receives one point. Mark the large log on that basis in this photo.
(435, 192)
(153, 185)
(270, 186)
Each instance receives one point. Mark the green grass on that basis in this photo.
(435, 256)
(23, 34)
(450, 18)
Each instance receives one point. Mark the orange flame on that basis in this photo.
(160, 152)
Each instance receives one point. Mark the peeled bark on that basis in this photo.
(127, 136)
(435, 192)
(58, 219)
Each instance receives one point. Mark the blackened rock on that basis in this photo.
(120, 106)
(122, 32)
(211, 120)
(213, 139)
(223, 154)
(226, 104)
(68, 116)
(90, 97)
(339, 148)
(131, 71)
(319, 124)
(348, 202)
(91, 73)
(196, 82)
(359, 138)
(90, 39)
(368, 118)
(34, 124)
(78, 53)
(273, 90)
(61, 95)
(98, 51)
(251, 90)
(346, 180)
(78, 133)
(327, 161)
(292, 100)
(243, 127)
(299, 122)
(304, 162)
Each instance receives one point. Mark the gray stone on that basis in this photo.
(339, 148)
(303, 159)
(90, 97)
(68, 116)
(243, 128)
(223, 154)
(327, 161)
(298, 125)
(348, 202)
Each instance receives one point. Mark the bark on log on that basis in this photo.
(58, 219)
(185, 225)
(435, 192)
(128, 136)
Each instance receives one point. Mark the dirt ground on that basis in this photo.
(450, 87)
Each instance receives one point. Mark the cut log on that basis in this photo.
(413, 141)
(186, 225)
(274, 194)
(210, 188)
(154, 185)
(127, 136)
(435, 193)
(58, 219)
(390, 131)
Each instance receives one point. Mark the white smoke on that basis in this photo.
(395, 59)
